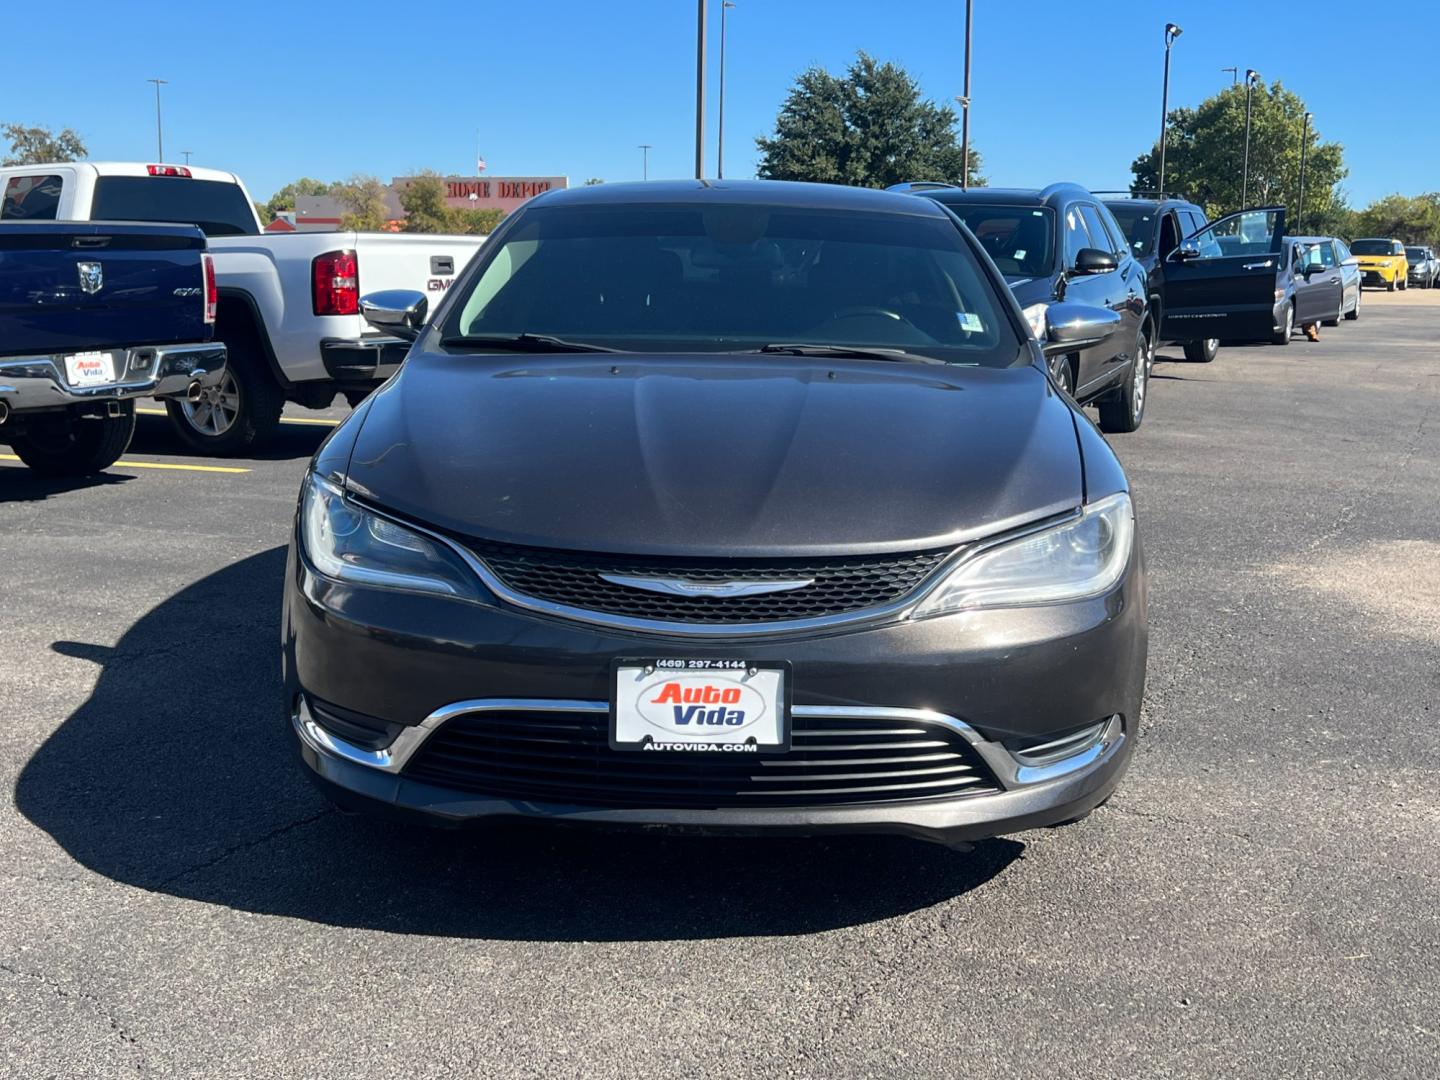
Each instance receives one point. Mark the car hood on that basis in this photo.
(716, 455)
(1032, 290)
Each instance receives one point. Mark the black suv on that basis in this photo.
(1061, 243)
(1154, 227)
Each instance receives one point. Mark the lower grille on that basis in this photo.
(565, 757)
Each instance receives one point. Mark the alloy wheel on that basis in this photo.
(1142, 373)
(216, 411)
(1061, 372)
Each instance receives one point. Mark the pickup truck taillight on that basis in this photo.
(212, 294)
(336, 278)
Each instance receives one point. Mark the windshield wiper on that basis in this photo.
(847, 352)
(529, 343)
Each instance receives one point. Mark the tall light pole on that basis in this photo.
(725, 6)
(187, 154)
(1251, 76)
(700, 92)
(159, 132)
(965, 101)
(1171, 33)
(1304, 143)
(1234, 75)
(645, 149)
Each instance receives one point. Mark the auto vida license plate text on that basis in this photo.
(700, 706)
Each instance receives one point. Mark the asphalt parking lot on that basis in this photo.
(1259, 899)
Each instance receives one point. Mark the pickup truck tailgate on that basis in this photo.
(69, 286)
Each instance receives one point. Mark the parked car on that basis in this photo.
(1382, 262)
(1059, 243)
(91, 317)
(1424, 268)
(1331, 277)
(723, 505)
(1154, 228)
(289, 303)
(1232, 281)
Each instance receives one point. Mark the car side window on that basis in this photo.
(1076, 236)
(31, 198)
(1342, 252)
(1327, 253)
(1169, 234)
(1099, 235)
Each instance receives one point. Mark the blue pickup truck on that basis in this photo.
(92, 316)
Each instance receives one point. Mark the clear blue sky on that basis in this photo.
(1062, 90)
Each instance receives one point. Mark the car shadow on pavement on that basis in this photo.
(19, 484)
(179, 775)
(154, 436)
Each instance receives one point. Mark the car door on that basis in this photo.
(1306, 271)
(1330, 279)
(1083, 289)
(1220, 282)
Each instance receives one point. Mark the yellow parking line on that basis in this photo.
(123, 464)
(321, 421)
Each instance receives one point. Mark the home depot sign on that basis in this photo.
(497, 192)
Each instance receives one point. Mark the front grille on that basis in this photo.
(840, 586)
(565, 757)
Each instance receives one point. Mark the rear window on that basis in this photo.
(31, 198)
(1374, 247)
(218, 207)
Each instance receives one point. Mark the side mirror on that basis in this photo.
(396, 311)
(1071, 327)
(1186, 251)
(1094, 261)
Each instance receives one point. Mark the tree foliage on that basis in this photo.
(1413, 219)
(284, 199)
(423, 199)
(479, 222)
(1204, 157)
(363, 198)
(39, 146)
(867, 128)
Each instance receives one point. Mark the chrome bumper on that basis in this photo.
(39, 382)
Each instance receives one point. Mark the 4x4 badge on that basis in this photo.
(92, 276)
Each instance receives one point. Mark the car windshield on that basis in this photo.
(735, 278)
(1416, 254)
(1138, 225)
(1373, 247)
(1021, 239)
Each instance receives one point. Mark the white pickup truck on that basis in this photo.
(289, 303)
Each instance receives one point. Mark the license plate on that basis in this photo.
(90, 368)
(700, 706)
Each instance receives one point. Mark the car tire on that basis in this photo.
(237, 416)
(66, 446)
(1124, 410)
(1282, 336)
(1062, 372)
(1390, 285)
(1354, 312)
(1403, 284)
(1202, 352)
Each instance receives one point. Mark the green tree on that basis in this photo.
(39, 146)
(478, 222)
(363, 198)
(1205, 148)
(867, 128)
(1413, 219)
(423, 199)
(593, 181)
(263, 213)
(284, 199)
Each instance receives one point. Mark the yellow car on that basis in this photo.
(1382, 262)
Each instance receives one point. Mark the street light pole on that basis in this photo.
(1234, 74)
(645, 161)
(1171, 33)
(1251, 75)
(1304, 143)
(700, 92)
(965, 101)
(187, 154)
(725, 6)
(159, 132)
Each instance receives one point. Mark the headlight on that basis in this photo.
(1078, 559)
(349, 543)
(1035, 316)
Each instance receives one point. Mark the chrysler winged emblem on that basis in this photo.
(92, 276)
(686, 587)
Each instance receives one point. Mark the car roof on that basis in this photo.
(1118, 200)
(775, 193)
(124, 168)
(994, 196)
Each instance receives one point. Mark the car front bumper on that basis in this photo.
(1380, 275)
(30, 383)
(995, 679)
